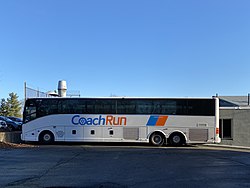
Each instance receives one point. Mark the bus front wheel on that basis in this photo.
(157, 139)
(46, 137)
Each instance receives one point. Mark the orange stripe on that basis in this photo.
(161, 120)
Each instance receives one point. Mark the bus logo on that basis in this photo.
(108, 120)
(157, 120)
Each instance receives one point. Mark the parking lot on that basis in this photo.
(123, 166)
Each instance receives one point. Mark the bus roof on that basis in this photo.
(122, 98)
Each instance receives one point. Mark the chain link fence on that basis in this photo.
(33, 93)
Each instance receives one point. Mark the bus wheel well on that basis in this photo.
(157, 138)
(177, 139)
(46, 137)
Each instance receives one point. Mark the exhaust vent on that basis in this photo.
(62, 88)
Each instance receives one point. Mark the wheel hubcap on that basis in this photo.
(157, 139)
(46, 137)
(176, 139)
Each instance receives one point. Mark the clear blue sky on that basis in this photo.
(167, 48)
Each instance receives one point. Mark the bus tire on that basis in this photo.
(176, 139)
(46, 137)
(157, 139)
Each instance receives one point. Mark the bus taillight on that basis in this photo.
(217, 131)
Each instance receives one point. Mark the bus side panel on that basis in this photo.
(73, 133)
(197, 129)
(67, 128)
(112, 133)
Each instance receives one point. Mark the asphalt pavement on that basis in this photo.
(101, 166)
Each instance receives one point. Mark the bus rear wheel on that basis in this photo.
(157, 139)
(46, 137)
(176, 139)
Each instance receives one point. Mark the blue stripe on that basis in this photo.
(152, 120)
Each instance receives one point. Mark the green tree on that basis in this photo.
(14, 105)
(11, 107)
(4, 108)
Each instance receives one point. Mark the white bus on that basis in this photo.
(157, 121)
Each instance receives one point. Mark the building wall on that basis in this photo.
(240, 126)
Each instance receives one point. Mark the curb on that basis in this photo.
(227, 146)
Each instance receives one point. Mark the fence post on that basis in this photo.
(25, 92)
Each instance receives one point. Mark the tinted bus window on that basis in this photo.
(105, 106)
(46, 107)
(201, 107)
(90, 106)
(125, 106)
(72, 106)
(193, 107)
(144, 107)
(166, 107)
(30, 111)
